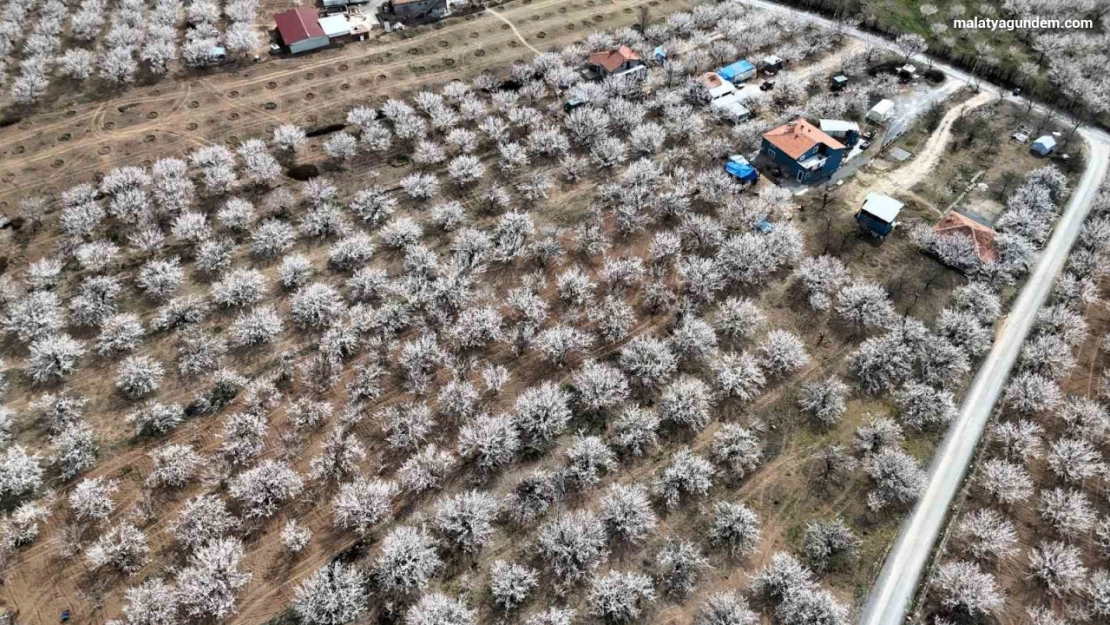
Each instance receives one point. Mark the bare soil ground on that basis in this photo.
(74, 141)
(74, 138)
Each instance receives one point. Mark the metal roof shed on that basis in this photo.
(300, 30)
(831, 126)
(878, 213)
(335, 25)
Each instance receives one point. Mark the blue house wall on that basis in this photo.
(869, 222)
(835, 157)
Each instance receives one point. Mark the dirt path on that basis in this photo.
(904, 178)
(515, 31)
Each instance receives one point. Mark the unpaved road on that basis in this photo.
(925, 161)
(892, 596)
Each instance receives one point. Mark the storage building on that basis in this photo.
(843, 131)
(335, 26)
(300, 30)
(879, 213)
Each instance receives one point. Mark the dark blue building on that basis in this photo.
(804, 150)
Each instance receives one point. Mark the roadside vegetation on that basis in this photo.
(473, 356)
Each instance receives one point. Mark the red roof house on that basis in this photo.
(615, 60)
(300, 29)
(798, 137)
(803, 149)
(955, 224)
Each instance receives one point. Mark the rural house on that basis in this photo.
(955, 224)
(879, 214)
(803, 149)
(614, 62)
(300, 30)
(414, 11)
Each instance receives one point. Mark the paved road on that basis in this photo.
(892, 596)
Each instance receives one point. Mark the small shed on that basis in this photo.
(738, 167)
(879, 214)
(881, 111)
(731, 106)
(335, 26)
(738, 71)
(838, 82)
(845, 131)
(300, 30)
(715, 85)
(1043, 146)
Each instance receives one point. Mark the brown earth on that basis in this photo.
(40, 582)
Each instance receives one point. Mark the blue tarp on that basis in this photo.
(743, 171)
(660, 54)
(740, 70)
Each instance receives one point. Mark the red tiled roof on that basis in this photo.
(959, 225)
(711, 80)
(613, 59)
(298, 24)
(798, 137)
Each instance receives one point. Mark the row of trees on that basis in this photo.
(1045, 452)
(138, 39)
(403, 344)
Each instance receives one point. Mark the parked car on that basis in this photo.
(863, 145)
(767, 85)
(574, 103)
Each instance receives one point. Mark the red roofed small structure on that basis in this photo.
(614, 61)
(300, 29)
(955, 224)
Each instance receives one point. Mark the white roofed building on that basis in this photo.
(335, 25)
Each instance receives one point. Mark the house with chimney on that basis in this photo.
(803, 150)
